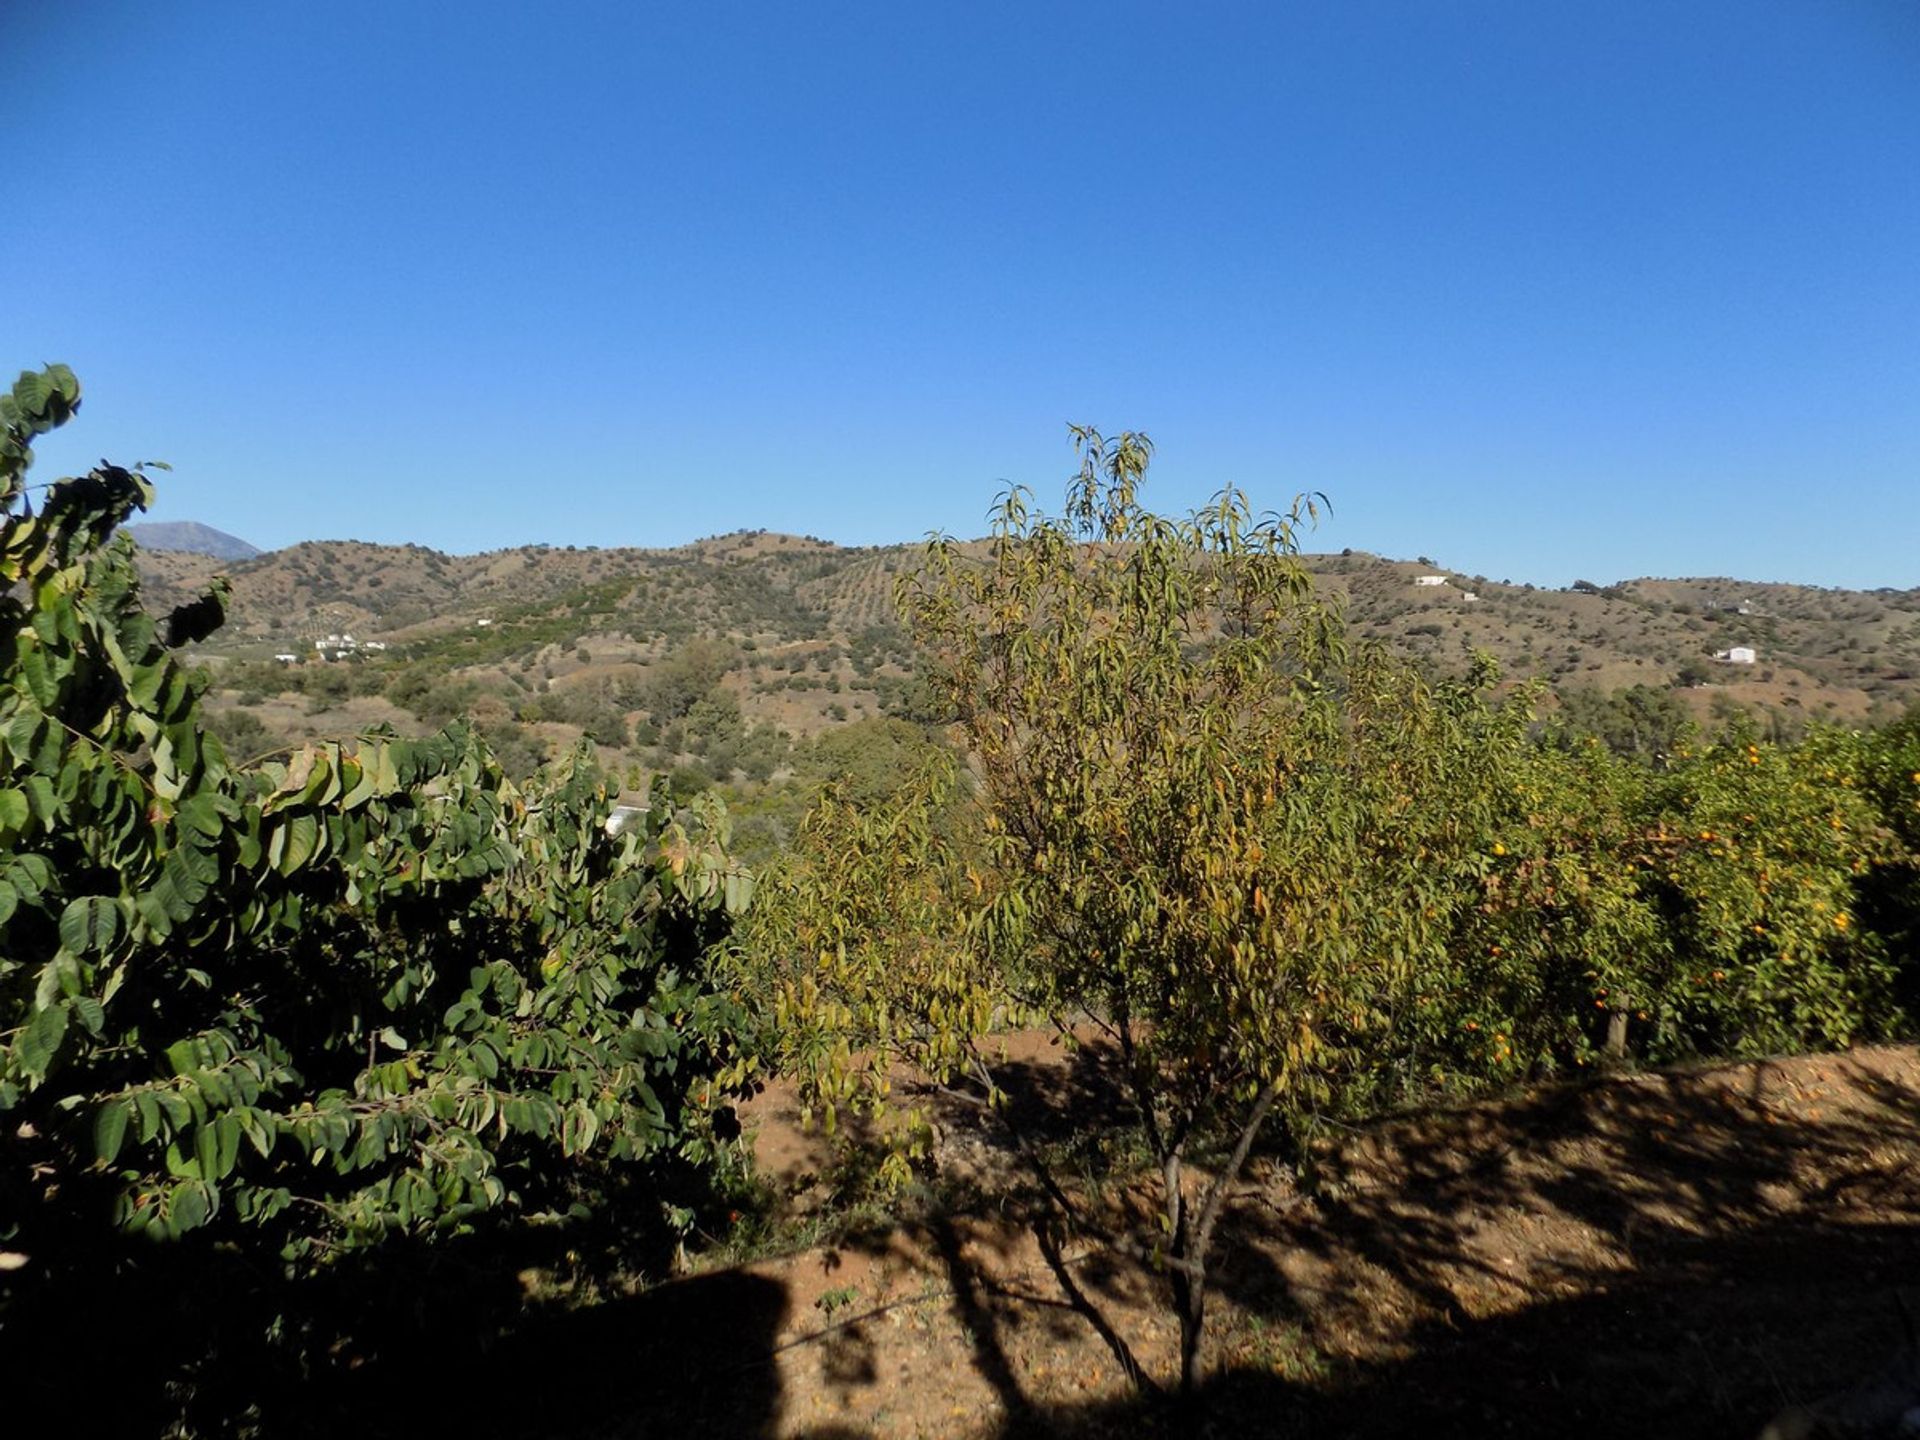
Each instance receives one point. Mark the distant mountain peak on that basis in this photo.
(192, 537)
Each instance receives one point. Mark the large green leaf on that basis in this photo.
(89, 925)
(40, 1041)
(296, 839)
(110, 1129)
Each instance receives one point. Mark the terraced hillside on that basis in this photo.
(1831, 648)
(727, 658)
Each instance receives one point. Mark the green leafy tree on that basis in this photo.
(688, 675)
(365, 992)
(1739, 899)
(1204, 830)
(869, 759)
(1641, 720)
(1755, 858)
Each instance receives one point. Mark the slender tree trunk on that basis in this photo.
(1188, 1300)
(1617, 1034)
(1192, 1236)
(1190, 1295)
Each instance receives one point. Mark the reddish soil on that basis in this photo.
(1672, 1254)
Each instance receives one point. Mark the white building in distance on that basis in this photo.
(1429, 579)
(336, 647)
(1738, 655)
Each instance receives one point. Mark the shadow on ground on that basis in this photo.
(1676, 1255)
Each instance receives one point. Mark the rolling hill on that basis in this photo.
(191, 537)
(564, 642)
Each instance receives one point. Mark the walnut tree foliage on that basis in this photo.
(355, 993)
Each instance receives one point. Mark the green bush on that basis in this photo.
(373, 995)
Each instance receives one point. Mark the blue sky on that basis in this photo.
(1541, 290)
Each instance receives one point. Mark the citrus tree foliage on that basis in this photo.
(1721, 905)
(356, 992)
(1890, 900)
(1554, 925)
(1755, 863)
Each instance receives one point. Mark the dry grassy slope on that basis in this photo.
(1828, 651)
(1834, 652)
(321, 586)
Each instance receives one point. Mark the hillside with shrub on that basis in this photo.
(1837, 651)
(548, 646)
(319, 1052)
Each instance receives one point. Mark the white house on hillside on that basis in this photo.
(1738, 655)
(1429, 579)
(335, 647)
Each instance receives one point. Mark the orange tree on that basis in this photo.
(1755, 857)
(1512, 852)
(1201, 827)
(1890, 900)
(284, 1014)
(1742, 900)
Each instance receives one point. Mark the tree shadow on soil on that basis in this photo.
(136, 1339)
(1712, 1352)
(1668, 1255)
(686, 1359)
(1673, 1254)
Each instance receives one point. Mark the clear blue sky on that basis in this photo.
(1539, 289)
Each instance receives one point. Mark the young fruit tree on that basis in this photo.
(1202, 827)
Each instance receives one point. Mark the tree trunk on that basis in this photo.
(1617, 1034)
(1188, 1279)
(1190, 1295)
(1192, 1236)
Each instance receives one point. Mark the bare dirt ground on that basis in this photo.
(1675, 1254)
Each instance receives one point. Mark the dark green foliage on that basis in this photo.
(1643, 720)
(518, 751)
(376, 993)
(689, 675)
(868, 759)
(242, 733)
(597, 708)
